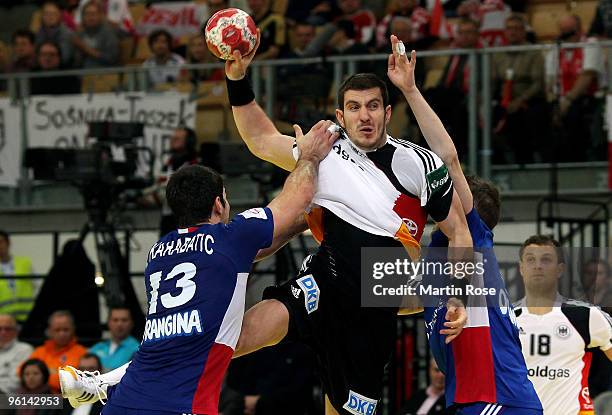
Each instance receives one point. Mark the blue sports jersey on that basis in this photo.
(485, 363)
(196, 283)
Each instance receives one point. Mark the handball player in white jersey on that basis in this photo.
(373, 191)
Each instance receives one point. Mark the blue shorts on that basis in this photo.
(110, 409)
(494, 409)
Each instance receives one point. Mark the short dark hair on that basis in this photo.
(157, 33)
(26, 33)
(4, 234)
(361, 82)
(486, 200)
(40, 365)
(543, 240)
(191, 194)
(93, 356)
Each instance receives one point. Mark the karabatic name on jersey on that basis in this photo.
(196, 283)
(484, 363)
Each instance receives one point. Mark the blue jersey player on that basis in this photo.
(196, 281)
(484, 366)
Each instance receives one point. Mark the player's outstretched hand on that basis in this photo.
(456, 319)
(317, 142)
(236, 69)
(400, 69)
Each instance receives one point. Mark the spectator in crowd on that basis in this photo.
(119, 349)
(491, 15)
(303, 34)
(197, 52)
(48, 59)
(117, 13)
(52, 29)
(24, 54)
(272, 28)
(518, 84)
(449, 97)
(97, 42)
(34, 376)
(429, 401)
(363, 20)
(164, 66)
(343, 41)
(306, 87)
(89, 363)
(16, 295)
(419, 19)
(12, 354)
(602, 22)
(61, 349)
(574, 75)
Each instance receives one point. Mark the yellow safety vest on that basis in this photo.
(17, 295)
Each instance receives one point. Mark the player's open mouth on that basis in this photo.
(366, 130)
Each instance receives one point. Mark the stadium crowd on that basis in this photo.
(562, 93)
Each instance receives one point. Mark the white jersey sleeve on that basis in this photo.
(423, 174)
(600, 327)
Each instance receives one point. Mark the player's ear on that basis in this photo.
(340, 117)
(388, 113)
(217, 207)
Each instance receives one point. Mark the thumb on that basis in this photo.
(298, 131)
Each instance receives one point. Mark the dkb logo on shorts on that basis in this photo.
(311, 292)
(360, 405)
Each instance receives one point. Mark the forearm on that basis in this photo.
(281, 240)
(431, 126)
(254, 125)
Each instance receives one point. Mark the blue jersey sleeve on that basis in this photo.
(482, 236)
(251, 231)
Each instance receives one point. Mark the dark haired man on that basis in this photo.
(373, 190)
(196, 282)
(24, 55)
(556, 332)
(164, 66)
(484, 367)
(117, 350)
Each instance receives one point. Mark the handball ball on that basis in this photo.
(229, 30)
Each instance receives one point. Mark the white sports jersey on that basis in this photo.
(385, 192)
(555, 346)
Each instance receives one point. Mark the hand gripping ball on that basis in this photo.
(229, 30)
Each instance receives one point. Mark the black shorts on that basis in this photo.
(352, 344)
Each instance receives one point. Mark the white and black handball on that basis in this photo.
(229, 30)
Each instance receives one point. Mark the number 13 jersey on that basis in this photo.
(556, 349)
(196, 282)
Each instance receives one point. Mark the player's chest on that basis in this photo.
(549, 337)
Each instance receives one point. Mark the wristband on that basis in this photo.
(239, 92)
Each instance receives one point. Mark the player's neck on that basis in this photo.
(540, 303)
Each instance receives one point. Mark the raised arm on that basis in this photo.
(401, 72)
(256, 129)
(300, 186)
